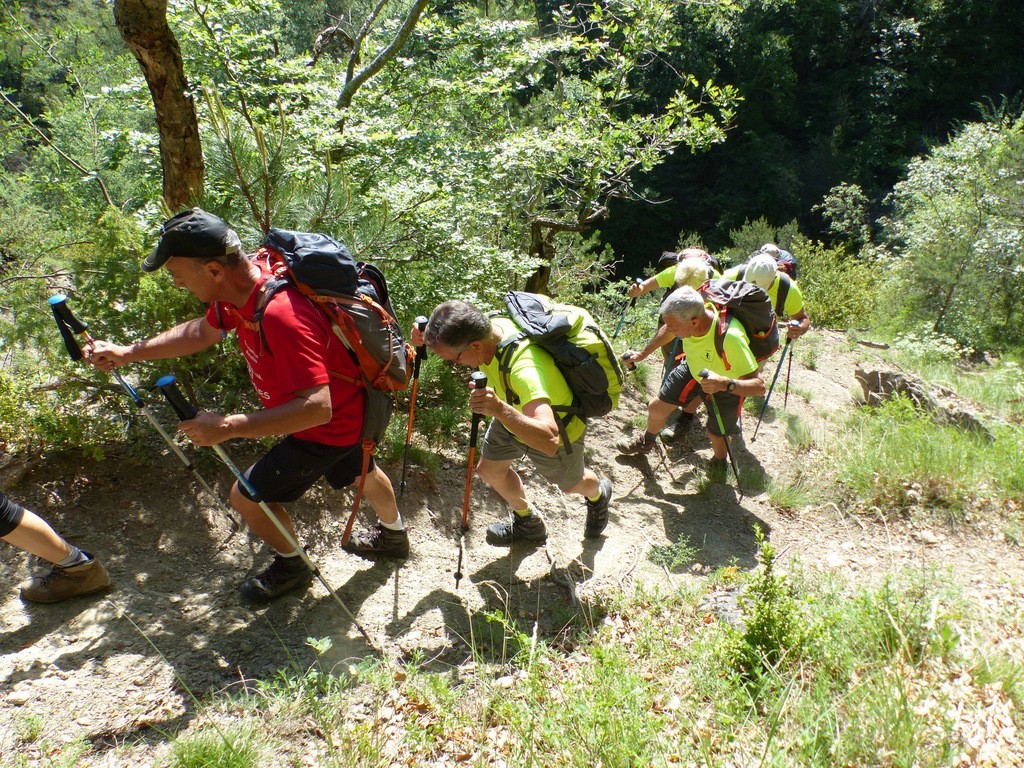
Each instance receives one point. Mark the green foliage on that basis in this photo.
(840, 291)
(955, 235)
(845, 210)
(239, 747)
(895, 456)
(673, 556)
(753, 234)
(772, 621)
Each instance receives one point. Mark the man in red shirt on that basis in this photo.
(300, 370)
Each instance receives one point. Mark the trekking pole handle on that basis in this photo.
(169, 386)
(627, 360)
(479, 380)
(68, 325)
(639, 283)
(704, 373)
(59, 304)
(421, 323)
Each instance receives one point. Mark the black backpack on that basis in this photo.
(578, 346)
(751, 306)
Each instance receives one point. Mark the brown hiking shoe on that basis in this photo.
(61, 583)
(379, 542)
(638, 444)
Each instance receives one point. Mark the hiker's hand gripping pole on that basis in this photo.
(637, 282)
(782, 358)
(721, 428)
(186, 411)
(421, 354)
(479, 382)
(69, 327)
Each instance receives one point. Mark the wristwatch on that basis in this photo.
(731, 385)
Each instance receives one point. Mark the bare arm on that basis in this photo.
(309, 408)
(799, 324)
(185, 339)
(750, 385)
(536, 425)
(659, 340)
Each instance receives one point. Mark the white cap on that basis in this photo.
(771, 248)
(761, 271)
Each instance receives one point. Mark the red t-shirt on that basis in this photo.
(300, 350)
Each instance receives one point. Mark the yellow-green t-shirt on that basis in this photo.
(702, 353)
(794, 299)
(533, 375)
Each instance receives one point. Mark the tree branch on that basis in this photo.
(354, 81)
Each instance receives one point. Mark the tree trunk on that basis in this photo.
(143, 25)
(541, 249)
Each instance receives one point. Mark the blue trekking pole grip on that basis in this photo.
(169, 386)
(68, 325)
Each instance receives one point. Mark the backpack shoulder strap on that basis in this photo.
(785, 282)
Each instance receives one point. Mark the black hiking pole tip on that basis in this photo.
(721, 427)
(479, 382)
(782, 357)
(421, 354)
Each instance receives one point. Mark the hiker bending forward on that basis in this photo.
(729, 380)
(301, 372)
(460, 333)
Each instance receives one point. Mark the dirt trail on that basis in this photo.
(106, 669)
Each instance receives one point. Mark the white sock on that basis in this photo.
(77, 557)
(398, 525)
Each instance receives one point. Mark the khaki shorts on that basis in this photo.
(564, 469)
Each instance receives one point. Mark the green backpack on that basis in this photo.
(577, 344)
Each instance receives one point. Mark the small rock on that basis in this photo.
(18, 698)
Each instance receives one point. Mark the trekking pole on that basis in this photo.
(186, 411)
(421, 354)
(479, 382)
(785, 349)
(721, 427)
(789, 370)
(632, 303)
(70, 326)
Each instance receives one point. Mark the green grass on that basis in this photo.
(821, 673)
(238, 747)
(29, 728)
(798, 433)
(793, 496)
(894, 456)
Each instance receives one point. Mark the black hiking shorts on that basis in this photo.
(681, 389)
(289, 469)
(11, 514)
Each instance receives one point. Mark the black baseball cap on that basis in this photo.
(193, 234)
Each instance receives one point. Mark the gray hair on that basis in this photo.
(456, 324)
(683, 304)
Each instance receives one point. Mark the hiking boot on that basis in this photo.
(379, 542)
(597, 511)
(61, 583)
(282, 575)
(638, 444)
(678, 425)
(529, 528)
